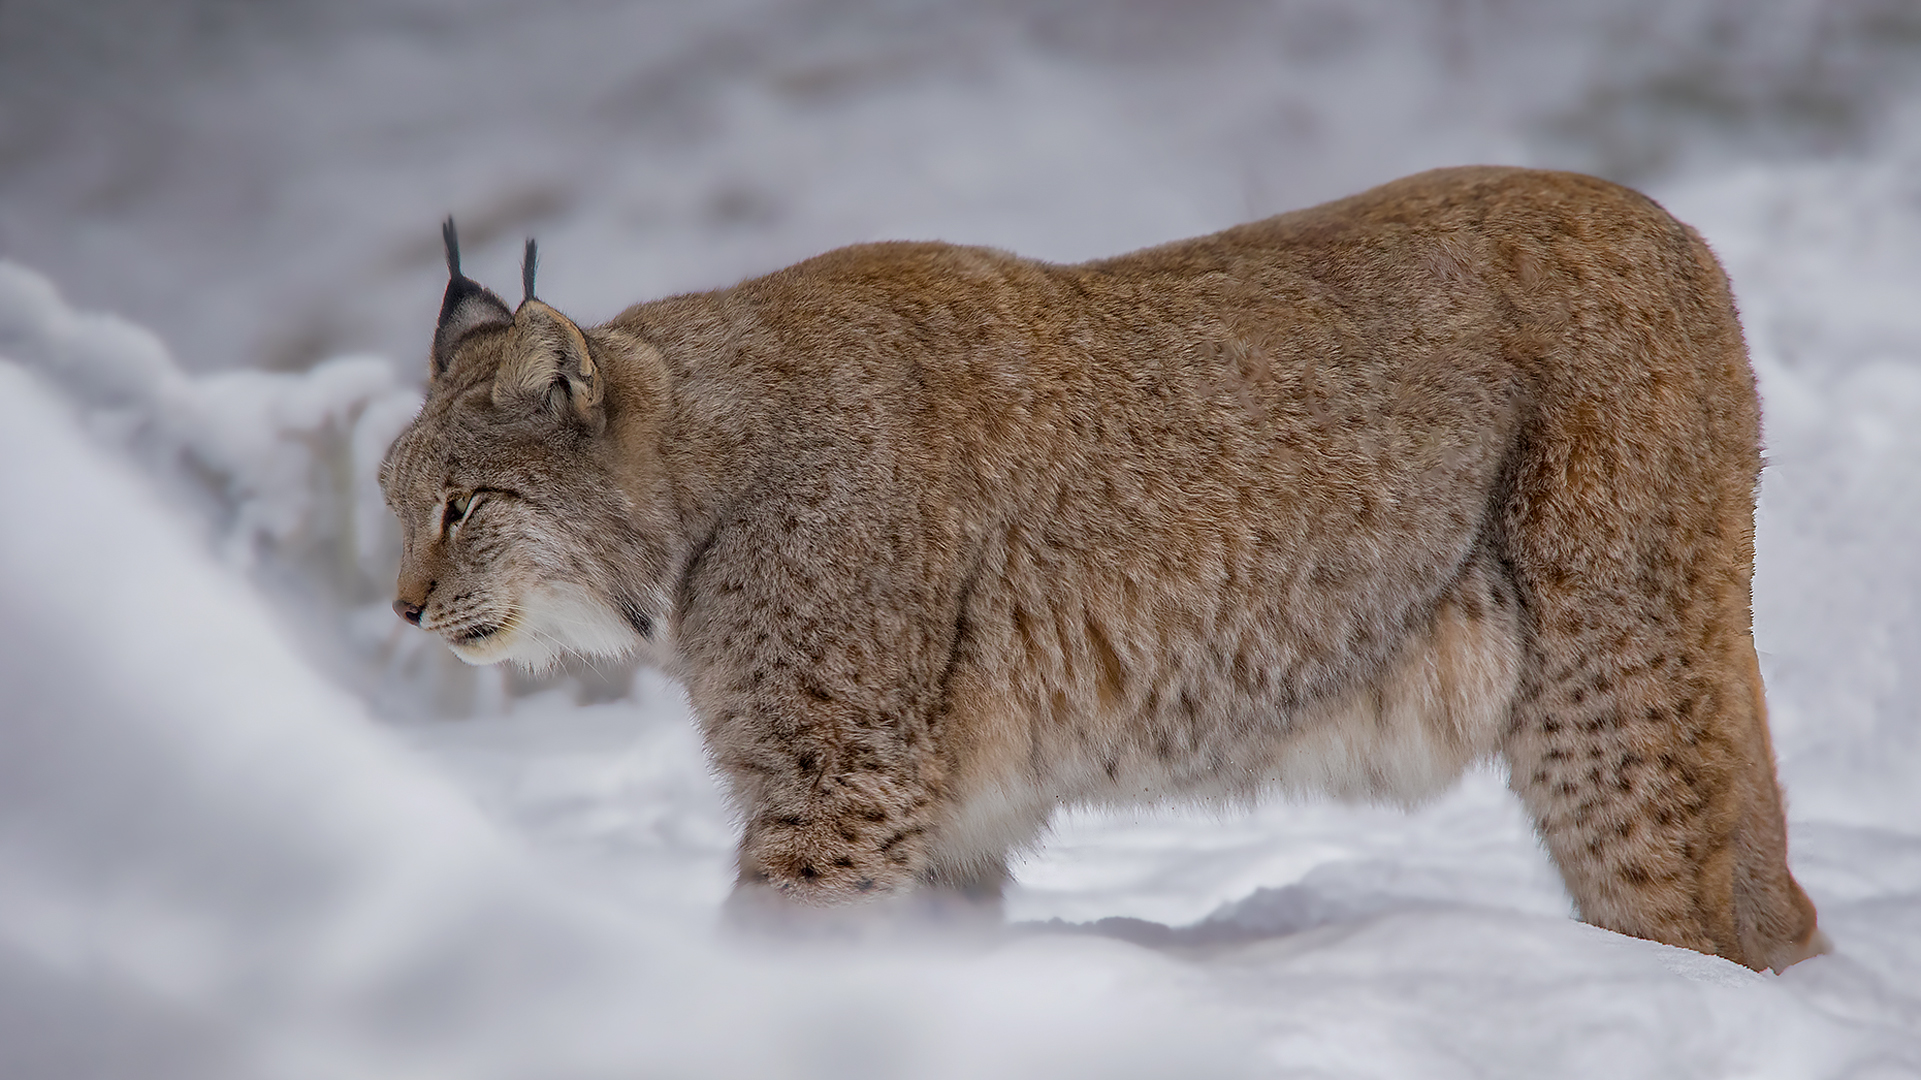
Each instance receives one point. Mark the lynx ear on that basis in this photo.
(551, 369)
(466, 307)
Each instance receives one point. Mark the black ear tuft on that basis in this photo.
(527, 264)
(452, 241)
(464, 308)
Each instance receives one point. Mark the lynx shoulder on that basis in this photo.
(940, 539)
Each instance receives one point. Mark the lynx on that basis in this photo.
(939, 539)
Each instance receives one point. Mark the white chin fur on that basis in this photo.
(552, 620)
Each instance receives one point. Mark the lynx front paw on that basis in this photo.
(825, 862)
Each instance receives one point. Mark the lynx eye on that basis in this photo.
(457, 507)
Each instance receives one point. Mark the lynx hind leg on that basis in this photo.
(1639, 744)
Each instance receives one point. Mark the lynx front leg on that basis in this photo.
(817, 690)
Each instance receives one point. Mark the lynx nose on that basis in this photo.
(407, 611)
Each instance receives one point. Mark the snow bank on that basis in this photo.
(261, 452)
(277, 471)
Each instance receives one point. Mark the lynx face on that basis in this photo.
(517, 542)
(487, 561)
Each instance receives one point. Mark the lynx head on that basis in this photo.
(519, 540)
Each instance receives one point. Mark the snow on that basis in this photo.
(253, 826)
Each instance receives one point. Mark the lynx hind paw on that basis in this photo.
(1816, 944)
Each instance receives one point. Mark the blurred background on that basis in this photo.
(219, 268)
(259, 184)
